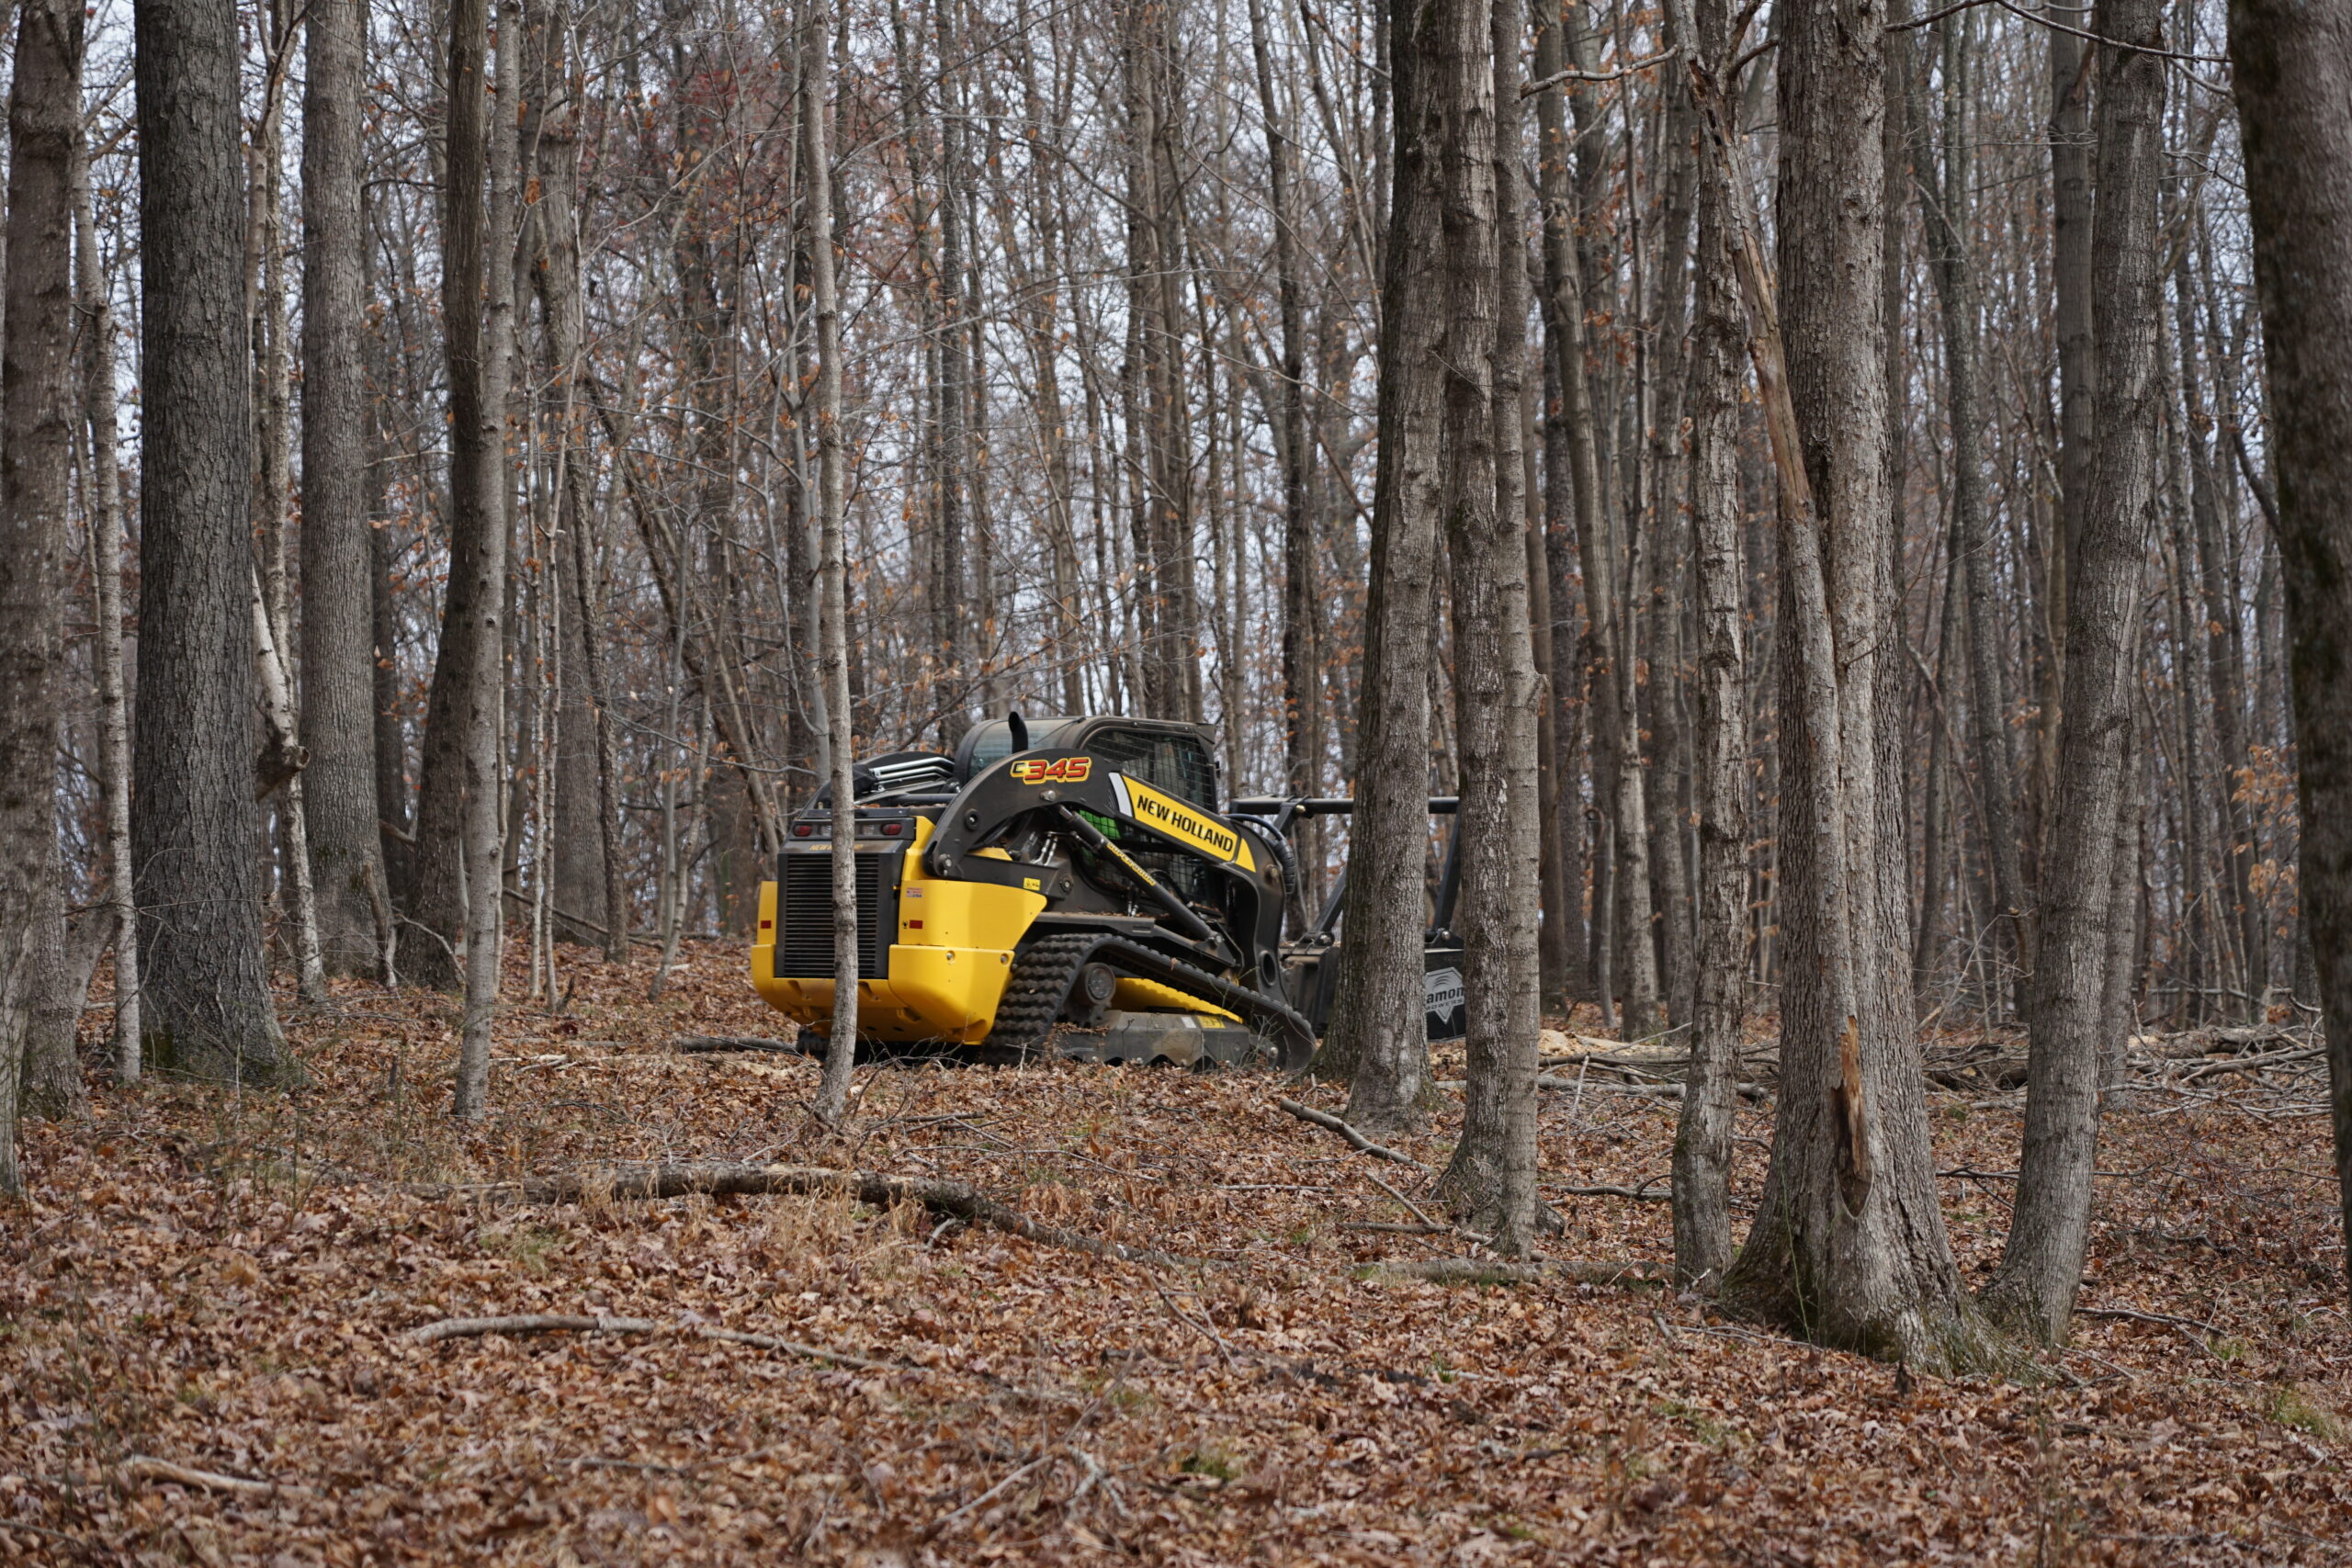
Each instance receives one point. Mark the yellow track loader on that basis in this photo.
(1063, 871)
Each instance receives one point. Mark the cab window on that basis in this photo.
(1177, 763)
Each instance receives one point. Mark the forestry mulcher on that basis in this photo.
(1069, 872)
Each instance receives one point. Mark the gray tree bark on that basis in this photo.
(2225, 652)
(208, 1011)
(338, 635)
(2292, 63)
(37, 415)
(1564, 319)
(1945, 177)
(591, 873)
(1848, 1246)
(36, 458)
(1302, 730)
(1570, 473)
(1702, 1140)
(2041, 1265)
(1378, 1040)
(1491, 1177)
(105, 503)
(2071, 148)
(477, 304)
(832, 569)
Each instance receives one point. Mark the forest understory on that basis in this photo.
(212, 1304)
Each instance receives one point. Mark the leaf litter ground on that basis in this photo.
(223, 1285)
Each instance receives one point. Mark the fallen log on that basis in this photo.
(722, 1179)
(2190, 1043)
(1355, 1140)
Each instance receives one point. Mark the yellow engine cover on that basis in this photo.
(948, 965)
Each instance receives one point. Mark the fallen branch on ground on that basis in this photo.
(1663, 1195)
(1355, 1140)
(722, 1178)
(1480, 1271)
(541, 1323)
(141, 1467)
(993, 1493)
(2192, 1043)
(2250, 1063)
(2129, 1315)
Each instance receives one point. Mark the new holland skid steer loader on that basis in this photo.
(1065, 871)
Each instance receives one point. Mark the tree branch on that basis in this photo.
(2054, 25)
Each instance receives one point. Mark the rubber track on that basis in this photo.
(1043, 971)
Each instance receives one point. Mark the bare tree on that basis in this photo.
(1491, 1177)
(2293, 71)
(103, 493)
(1945, 176)
(1702, 1141)
(338, 656)
(477, 301)
(2041, 1265)
(832, 563)
(592, 870)
(1849, 1246)
(206, 1007)
(1378, 1038)
(36, 460)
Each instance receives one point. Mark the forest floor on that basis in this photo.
(225, 1284)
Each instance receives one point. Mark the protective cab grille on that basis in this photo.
(804, 934)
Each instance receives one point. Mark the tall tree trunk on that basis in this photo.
(36, 460)
(104, 500)
(2071, 147)
(1171, 675)
(1491, 1178)
(207, 1012)
(2293, 77)
(1935, 862)
(2041, 1265)
(1558, 890)
(1944, 202)
(44, 123)
(1848, 1246)
(2224, 649)
(1301, 730)
(592, 873)
(338, 644)
(439, 894)
(1556, 655)
(477, 303)
(832, 569)
(1702, 1141)
(952, 595)
(1572, 425)
(1669, 737)
(1378, 1040)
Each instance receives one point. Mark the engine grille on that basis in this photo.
(804, 934)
